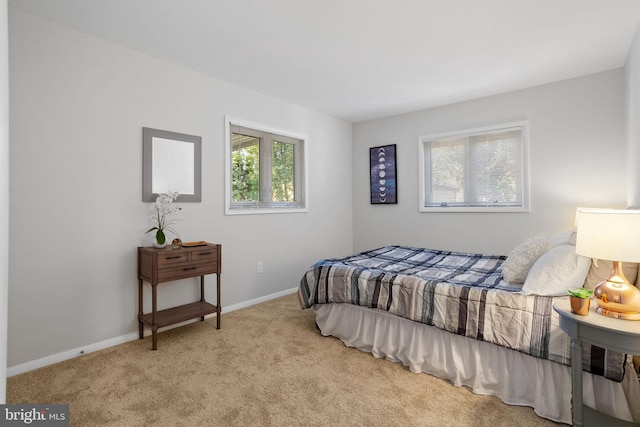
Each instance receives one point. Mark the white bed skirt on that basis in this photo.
(514, 377)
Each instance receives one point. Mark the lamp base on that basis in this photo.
(616, 297)
(617, 314)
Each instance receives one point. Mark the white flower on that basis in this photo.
(161, 208)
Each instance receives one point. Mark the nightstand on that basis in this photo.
(613, 334)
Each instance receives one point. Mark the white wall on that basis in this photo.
(632, 80)
(78, 106)
(4, 194)
(577, 147)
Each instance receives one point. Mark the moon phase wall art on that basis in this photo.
(382, 163)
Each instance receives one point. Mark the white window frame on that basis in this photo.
(243, 208)
(423, 169)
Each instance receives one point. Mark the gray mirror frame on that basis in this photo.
(147, 155)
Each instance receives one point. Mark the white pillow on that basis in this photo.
(557, 271)
(566, 238)
(517, 265)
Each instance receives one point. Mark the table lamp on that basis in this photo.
(613, 235)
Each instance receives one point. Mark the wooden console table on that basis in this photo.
(164, 265)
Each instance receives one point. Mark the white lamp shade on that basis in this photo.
(608, 234)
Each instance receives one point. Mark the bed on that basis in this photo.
(456, 316)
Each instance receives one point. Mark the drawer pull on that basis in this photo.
(173, 257)
(205, 253)
(189, 268)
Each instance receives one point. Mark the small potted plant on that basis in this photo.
(580, 300)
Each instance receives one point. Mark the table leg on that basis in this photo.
(218, 305)
(154, 312)
(140, 324)
(202, 294)
(576, 382)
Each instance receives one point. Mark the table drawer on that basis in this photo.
(185, 270)
(206, 255)
(171, 257)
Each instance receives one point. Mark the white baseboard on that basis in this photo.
(258, 300)
(70, 354)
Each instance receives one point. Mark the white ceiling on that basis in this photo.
(364, 59)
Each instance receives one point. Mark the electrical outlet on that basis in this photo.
(260, 267)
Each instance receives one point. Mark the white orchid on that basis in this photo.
(161, 208)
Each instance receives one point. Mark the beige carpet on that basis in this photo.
(267, 366)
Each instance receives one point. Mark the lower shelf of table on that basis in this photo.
(174, 315)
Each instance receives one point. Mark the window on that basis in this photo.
(265, 169)
(478, 170)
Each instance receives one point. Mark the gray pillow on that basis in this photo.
(517, 265)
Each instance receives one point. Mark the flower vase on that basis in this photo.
(158, 245)
(159, 237)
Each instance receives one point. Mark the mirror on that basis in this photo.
(171, 162)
